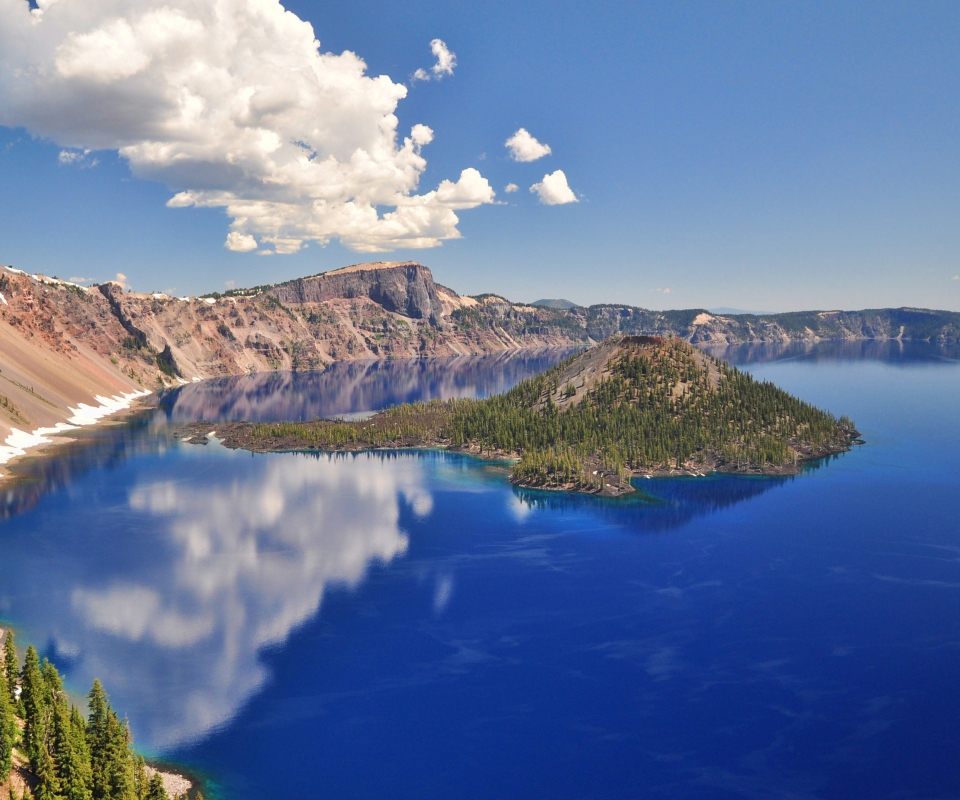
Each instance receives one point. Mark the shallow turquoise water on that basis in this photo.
(412, 626)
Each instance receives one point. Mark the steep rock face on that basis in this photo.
(405, 288)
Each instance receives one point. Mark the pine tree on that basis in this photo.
(48, 785)
(119, 759)
(8, 729)
(111, 759)
(11, 666)
(70, 752)
(52, 683)
(155, 789)
(34, 707)
(140, 780)
(97, 741)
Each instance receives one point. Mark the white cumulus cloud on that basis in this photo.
(78, 158)
(240, 242)
(233, 105)
(554, 190)
(524, 147)
(446, 61)
(510, 188)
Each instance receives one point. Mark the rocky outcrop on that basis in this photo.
(405, 288)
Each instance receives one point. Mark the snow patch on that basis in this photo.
(18, 442)
(3, 299)
(85, 414)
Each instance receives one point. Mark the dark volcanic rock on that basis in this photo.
(405, 288)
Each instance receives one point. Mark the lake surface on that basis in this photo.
(411, 626)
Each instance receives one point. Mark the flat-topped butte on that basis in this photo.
(632, 405)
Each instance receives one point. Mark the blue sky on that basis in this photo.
(761, 156)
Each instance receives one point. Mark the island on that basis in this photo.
(629, 406)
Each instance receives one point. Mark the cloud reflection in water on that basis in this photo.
(248, 560)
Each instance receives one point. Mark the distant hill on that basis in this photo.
(558, 303)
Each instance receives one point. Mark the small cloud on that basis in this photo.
(662, 291)
(524, 147)
(446, 61)
(956, 278)
(554, 190)
(121, 279)
(76, 158)
(442, 594)
(510, 188)
(230, 284)
(75, 279)
(240, 242)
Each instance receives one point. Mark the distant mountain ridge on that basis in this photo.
(558, 303)
(64, 344)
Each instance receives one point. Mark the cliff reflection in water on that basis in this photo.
(103, 449)
(349, 387)
(890, 351)
(169, 587)
(346, 387)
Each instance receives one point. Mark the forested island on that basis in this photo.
(59, 754)
(632, 405)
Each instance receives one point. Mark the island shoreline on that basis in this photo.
(231, 436)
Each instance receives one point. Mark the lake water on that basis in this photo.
(411, 626)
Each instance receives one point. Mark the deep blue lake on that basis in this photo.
(411, 626)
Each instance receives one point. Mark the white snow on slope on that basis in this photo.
(18, 442)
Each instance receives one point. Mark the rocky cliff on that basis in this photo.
(405, 288)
